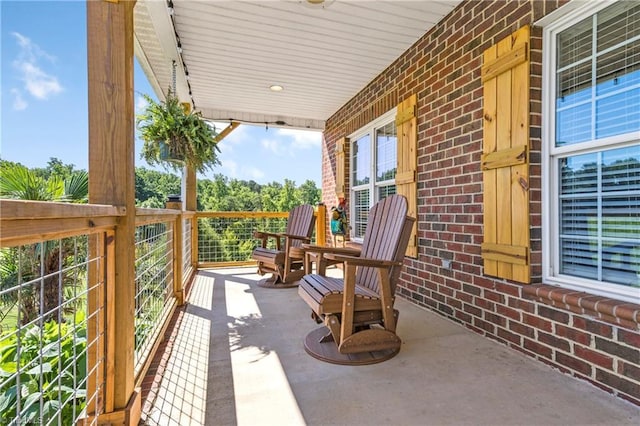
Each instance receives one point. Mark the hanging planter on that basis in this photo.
(167, 155)
(174, 137)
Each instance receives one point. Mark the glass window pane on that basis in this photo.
(621, 217)
(579, 258)
(361, 212)
(361, 157)
(583, 114)
(579, 174)
(600, 215)
(618, 114)
(573, 125)
(621, 169)
(386, 152)
(579, 216)
(575, 43)
(618, 69)
(621, 263)
(618, 23)
(385, 191)
(574, 85)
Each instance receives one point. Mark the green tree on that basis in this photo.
(154, 187)
(309, 193)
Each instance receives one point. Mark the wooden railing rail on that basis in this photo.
(26, 222)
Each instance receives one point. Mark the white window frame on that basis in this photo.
(561, 19)
(370, 128)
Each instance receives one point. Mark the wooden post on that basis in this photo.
(178, 289)
(111, 178)
(190, 203)
(189, 189)
(96, 317)
(321, 225)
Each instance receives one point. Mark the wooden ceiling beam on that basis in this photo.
(224, 133)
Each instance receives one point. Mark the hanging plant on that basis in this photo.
(173, 137)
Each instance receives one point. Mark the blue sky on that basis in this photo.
(44, 102)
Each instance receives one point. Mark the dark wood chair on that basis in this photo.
(357, 310)
(285, 261)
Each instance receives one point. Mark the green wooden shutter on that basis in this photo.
(406, 174)
(505, 158)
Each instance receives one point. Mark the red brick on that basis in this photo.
(538, 349)
(521, 329)
(623, 385)
(555, 342)
(630, 338)
(574, 363)
(573, 334)
(629, 370)
(594, 357)
(537, 322)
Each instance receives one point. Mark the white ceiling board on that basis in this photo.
(234, 50)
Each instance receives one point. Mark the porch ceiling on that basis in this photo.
(235, 50)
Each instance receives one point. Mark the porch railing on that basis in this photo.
(154, 280)
(56, 275)
(54, 349)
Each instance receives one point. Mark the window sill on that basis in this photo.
(613, 311)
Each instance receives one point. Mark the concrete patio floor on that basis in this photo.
(237, 358)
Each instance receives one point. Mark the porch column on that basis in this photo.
(189, 189)
(190, 203)
(111, 181)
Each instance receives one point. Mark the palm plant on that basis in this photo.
(44, 264)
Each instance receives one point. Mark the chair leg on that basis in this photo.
(333, 324)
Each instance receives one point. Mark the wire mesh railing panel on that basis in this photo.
(186, 247)
(52, 332)
(153, 286)
(230, 239)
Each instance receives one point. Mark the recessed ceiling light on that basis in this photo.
(276, 88)
(317, 3)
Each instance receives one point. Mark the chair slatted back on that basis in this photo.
(386, 238)
(300, 223)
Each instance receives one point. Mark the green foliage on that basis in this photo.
(18, 182)
(47, 363)
(187, 136)
(153, 187)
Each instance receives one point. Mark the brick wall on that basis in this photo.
(590, 337)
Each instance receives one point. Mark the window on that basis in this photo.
(373, 171)
(592, 145)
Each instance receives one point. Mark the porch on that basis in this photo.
(235, 356)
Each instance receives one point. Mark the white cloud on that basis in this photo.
(252, 173)
(237, 137)
(37, 82)
(275, 146)
(19, 104)
(141, 104)
(231, 169)
(302, 139)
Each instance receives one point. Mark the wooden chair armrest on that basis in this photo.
(348, 251)
(362, 261)
(263, 234)
(296, 237)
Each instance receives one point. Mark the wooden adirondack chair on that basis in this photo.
(285, 261)
(358, 310)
